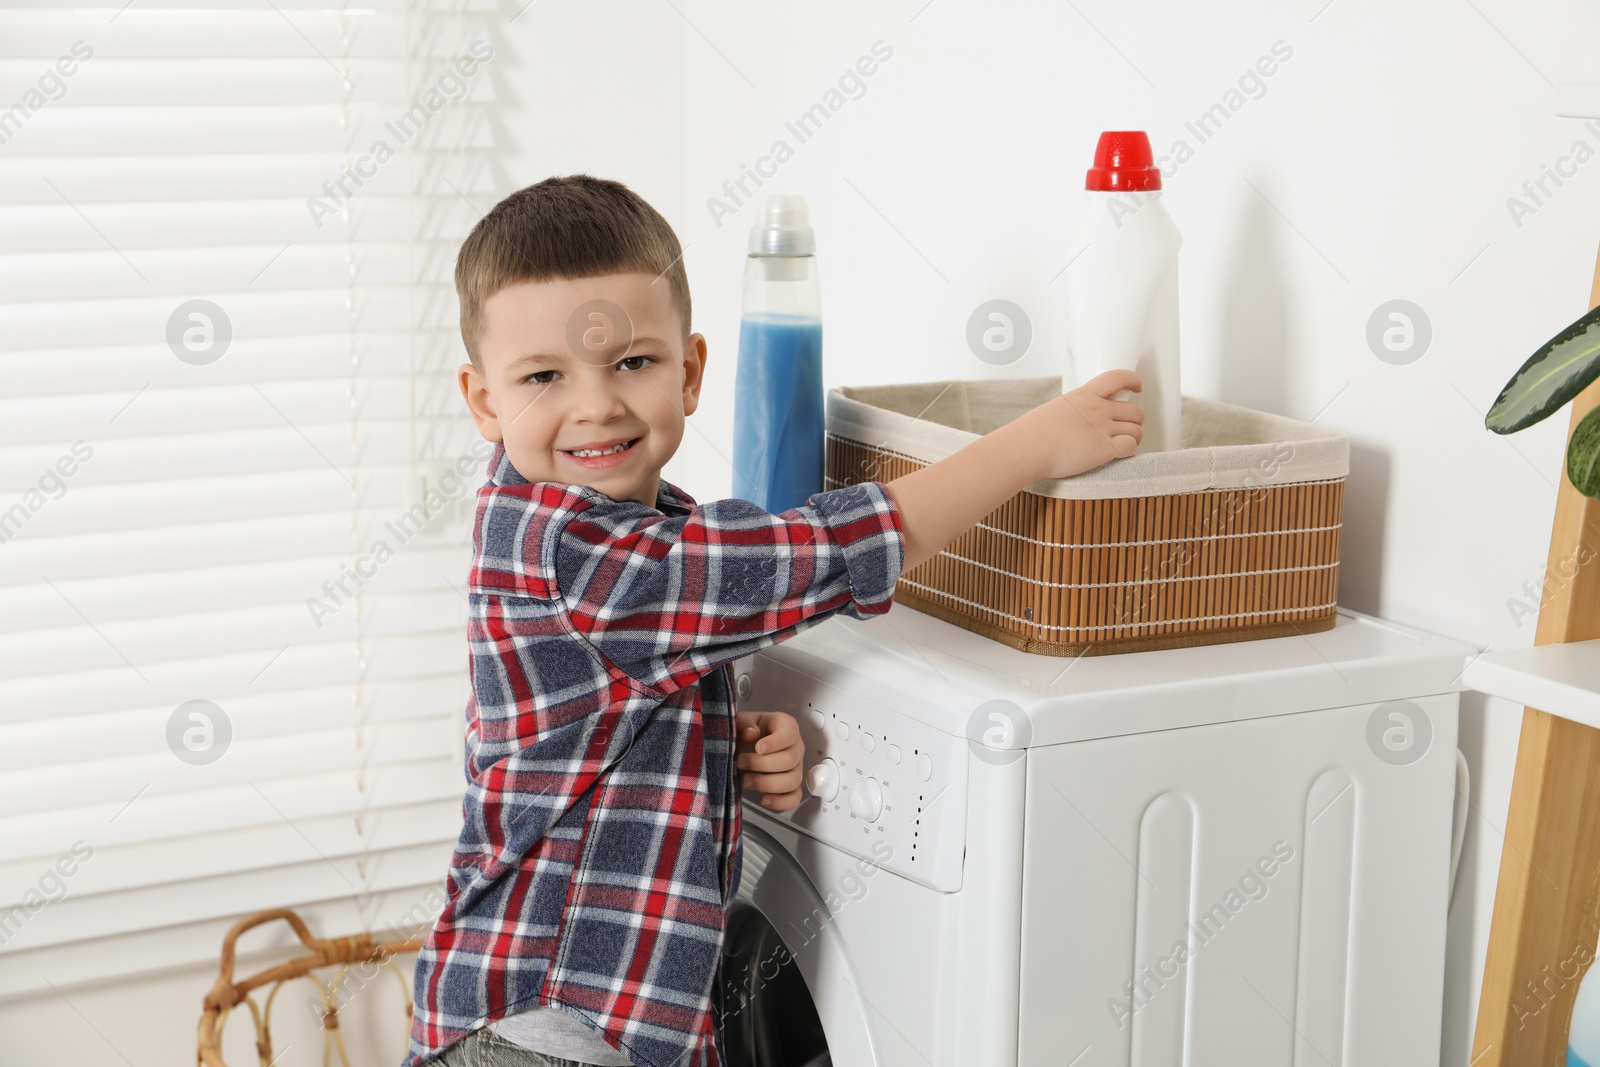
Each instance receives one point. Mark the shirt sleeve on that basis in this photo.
(669, 598)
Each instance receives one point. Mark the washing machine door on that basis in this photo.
(790, 995)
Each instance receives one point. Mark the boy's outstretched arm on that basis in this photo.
(665, 599)
(1067, 435)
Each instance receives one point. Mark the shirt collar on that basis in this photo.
(669, 498)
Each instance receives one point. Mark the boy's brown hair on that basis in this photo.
(578, 226)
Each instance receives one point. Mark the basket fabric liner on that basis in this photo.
(1224, 446)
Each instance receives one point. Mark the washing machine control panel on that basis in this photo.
(878, 783)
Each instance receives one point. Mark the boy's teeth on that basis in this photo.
(606, 452)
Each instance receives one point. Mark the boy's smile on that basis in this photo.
(583, 364)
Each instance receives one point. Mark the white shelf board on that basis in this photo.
(1561, 679)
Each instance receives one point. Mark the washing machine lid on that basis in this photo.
(939, 673)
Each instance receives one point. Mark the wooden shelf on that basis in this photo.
(1561, 679)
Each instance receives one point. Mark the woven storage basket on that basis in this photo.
(1233, 537)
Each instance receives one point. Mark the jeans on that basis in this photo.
(485, 1048)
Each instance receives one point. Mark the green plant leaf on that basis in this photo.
(1561, 369)
(1583, 455)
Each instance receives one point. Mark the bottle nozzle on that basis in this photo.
(783, 227)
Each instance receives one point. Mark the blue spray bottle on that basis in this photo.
(778, 420)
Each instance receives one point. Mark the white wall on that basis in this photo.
(1376, 165)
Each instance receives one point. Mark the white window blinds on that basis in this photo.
(234, 523)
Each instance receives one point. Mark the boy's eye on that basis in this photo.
(534, 377)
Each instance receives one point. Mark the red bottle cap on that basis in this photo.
(1122, 164)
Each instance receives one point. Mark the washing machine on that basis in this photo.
(1232, 855)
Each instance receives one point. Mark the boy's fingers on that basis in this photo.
(781, 760)
(747, 732)
(778, 782)
(781, 730)
(784, 782)
(783, 801)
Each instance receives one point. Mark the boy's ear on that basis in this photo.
(694, 371)
(479, 402)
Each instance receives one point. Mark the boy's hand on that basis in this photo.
(770, 756)
(1064, 436)
(1084, 428)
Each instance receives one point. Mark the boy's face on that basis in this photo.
(576, 363)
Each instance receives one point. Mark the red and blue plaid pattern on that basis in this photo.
(600, 847)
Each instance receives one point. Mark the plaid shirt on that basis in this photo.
(600, 847)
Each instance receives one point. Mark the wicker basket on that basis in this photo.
(341, 952)
(1233, 537)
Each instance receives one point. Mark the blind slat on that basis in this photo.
(97, 688)
(260, 760)
(106, 553)
(124, 371)
(151, 640)
(227, 894)
(255, 711)
(384, 575)
(36, 839)
(252, 314)
(255, 176)
(24, 970)
(82, 131)
(273, 842)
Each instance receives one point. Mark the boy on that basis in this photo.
(600, 846)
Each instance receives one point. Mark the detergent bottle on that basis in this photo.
(1122, 285)
(778, 419)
